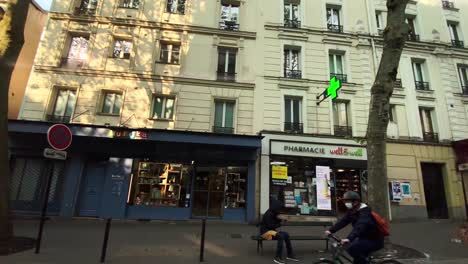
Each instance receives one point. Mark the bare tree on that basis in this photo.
(395, 35)
(11, 43)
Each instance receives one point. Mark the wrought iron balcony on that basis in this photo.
(343, 131)
(413, 37)
(465, 89)
(294, 23)
(458, 44)
(342, 77)
(71, 63)
(422, 86)
(58, 119)
(293, 74)
(226, 76)
(223, 130)
(293, 127)
(398, 84)
(431, 137)
(448, 5)
(335, 28)
(229, 25)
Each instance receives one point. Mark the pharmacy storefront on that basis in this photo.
(309, 174)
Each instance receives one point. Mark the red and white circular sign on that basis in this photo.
(59, 137)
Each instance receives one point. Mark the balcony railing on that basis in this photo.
(71, 63)
(431, 137)
(335, 28)
(58, 119)
(292, 23)
(413, 37)
(458, 44)
(465, 89)
(229, 25)
(342, 77)
(223, 130)
(293, 74)
(448, 5)
(293, 127)
(343, 131)
(398, 84)
(226, 76)
(422, 86)
(381, 31)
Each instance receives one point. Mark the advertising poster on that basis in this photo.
(397, 194)
(323, 189)
(406, 189)
(279, 172)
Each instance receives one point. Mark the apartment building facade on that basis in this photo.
(170, 102)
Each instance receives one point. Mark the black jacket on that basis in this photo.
(270, 219)
(364, 225)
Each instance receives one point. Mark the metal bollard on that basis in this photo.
(202, 243)
(44, 208)
(106, 239)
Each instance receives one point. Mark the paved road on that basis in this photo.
(80, 241)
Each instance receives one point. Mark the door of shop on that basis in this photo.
(208, 192)
(434, 190)
(90, 198)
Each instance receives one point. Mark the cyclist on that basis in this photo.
(365, 237)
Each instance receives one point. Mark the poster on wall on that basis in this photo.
(279, 175)
(396, 192)
(406, 189)
(323, 188)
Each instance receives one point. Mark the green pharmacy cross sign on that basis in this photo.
(331, 91)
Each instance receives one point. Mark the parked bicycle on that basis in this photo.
(339, 256)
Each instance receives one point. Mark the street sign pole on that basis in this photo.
(50, 170)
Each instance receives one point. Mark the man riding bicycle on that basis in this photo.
(365, 237)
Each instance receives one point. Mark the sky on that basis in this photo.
(44, 3)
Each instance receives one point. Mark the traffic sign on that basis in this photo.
(59, 137)
(55, 154)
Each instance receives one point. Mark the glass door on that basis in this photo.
(209, 187)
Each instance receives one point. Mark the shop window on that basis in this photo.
(293, 115)
(133, 4)
(292, 65)
(229, 15)
(163, 107)
(64, 105)
(122, 49)
(227, 64)
(291, 13)
(170, 53)
(175, 6)
(160, 184)
(112, 103)
(236, 187)
(224, 117)
(341, 119)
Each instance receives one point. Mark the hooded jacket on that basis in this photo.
(364, 224)
(270, 219)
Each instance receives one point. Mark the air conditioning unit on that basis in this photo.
(463, 167)
(392, 130)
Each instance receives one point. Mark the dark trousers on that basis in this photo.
(360, 249)
(283, 238)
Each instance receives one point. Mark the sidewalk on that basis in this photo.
(80, 241)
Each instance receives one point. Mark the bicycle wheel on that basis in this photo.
(324, 261)
(389, 261)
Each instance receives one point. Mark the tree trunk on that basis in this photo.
(12, 35)
(395, 36)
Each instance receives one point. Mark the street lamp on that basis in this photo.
(2, 13)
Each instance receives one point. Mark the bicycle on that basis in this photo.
(338, 256)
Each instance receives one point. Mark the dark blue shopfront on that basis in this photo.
(158, 174)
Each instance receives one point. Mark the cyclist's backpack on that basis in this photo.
(382, 224)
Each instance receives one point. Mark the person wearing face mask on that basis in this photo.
(365, 237)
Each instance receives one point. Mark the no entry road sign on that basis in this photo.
(59, 137)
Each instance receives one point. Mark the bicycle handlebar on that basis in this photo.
(337, 239)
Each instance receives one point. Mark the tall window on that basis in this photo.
(392, 114)
(122, 49)
(463, 72)
(425, 114)
(380, 22)
(291, 13)
(293, 114)
(334, 19)
(454, 36)
(412, 34)
(419, 75)
(163, 107)
(170, 53)
(224, 117)
(63, 106)
(112, 103)
(292, 66)
(227, 64)
(175, 6)
(336, 63)
(86, 7)
(229, 16)
(77, 52)
(341, 118)
(134, 4)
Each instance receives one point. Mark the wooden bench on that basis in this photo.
(319, 237)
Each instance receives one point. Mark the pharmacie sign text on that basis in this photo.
(318, 150)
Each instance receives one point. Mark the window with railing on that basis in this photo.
(380, 22)
(419, 73)
(427, 124)
(334, 19)
(293, 115)
(454, 35)
(77, 53)
(122, 49)
(227, 64)
(448, 4)
(337, 67)
(170, 53)
(85, 7)
(229, 15)
(412, 34)
(224, 117)
(175, 6)
(341, 118)
(292, 65)
(64, 105)
(132, 4)
(291, 14)
(463, 73)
